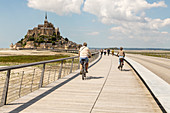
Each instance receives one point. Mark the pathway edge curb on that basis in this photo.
(159, 89)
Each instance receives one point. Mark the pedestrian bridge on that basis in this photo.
(106, 90)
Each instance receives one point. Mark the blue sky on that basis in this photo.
(100, 23)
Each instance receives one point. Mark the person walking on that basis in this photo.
(105, 51)
(108, 51)
(101, 51)
(112, 52)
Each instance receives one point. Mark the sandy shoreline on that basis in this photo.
(31, 52)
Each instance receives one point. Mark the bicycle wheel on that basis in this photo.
(82, 76)
(121, 67)
(84, 72)
(121, 64)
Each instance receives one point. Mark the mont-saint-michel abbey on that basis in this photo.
(45, 36)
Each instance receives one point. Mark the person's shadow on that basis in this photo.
(91, 77)
(126, 69)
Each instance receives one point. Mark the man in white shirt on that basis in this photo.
(84, 53)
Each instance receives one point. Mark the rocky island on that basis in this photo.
(45, 36)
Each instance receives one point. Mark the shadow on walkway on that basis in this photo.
(126, 69)
(15, 103)
(29, 103)
(34, 100)
(91, 77)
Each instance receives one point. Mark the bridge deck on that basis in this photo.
(107, 90)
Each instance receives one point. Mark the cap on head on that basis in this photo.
(84, 44)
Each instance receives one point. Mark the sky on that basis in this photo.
(100, 23)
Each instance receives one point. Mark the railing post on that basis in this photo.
(60, 71)
(67, 71)
(42, 76)
(32, 79)
(49, 75)
(71, 68)
(78, 63)
(55, 72)
(21, 84)
(64, 69)
(5, 90)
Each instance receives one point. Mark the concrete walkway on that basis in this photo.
(107, 90)
(157, 65)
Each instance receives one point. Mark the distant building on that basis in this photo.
(11, 46)
(30, 44)
(44, 36)
(47, 29)
(17, 46)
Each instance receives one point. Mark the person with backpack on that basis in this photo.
(84, 53)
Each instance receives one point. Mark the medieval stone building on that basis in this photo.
(47, 29)
(43, 37)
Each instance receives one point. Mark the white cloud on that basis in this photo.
(139, 32)
(164, 32)
(93, 33)
(109, 11)
(128, 15)
(60, 7)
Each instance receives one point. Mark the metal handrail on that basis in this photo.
(38, 63)
(41, 79)
(35, 63)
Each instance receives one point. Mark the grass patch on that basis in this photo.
(29, 58)
(154, 54)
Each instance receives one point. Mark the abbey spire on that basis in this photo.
(45, 16)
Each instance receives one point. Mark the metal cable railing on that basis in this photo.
(17, 81)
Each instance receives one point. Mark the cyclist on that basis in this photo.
(84, 53)
(121, 55)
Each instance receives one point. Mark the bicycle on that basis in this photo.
(83, 63)
(121, 64)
